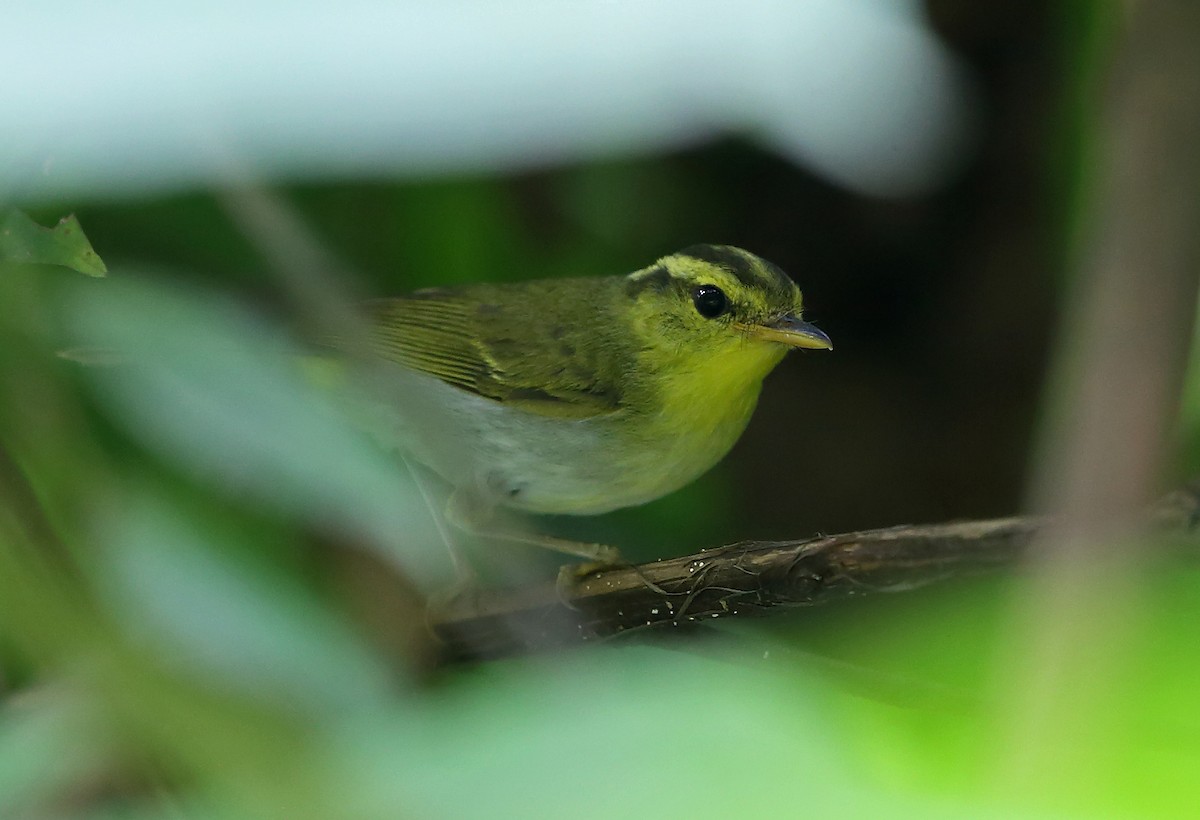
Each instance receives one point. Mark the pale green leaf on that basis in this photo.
(234, 623)
(222, 392)
(23, 240)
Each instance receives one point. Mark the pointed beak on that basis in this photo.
(792, 332)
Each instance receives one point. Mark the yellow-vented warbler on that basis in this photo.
(580, 396)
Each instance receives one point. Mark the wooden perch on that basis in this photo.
(749, 578)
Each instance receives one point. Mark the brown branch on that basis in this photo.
(750, 578)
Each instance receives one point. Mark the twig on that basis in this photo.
(750, 578)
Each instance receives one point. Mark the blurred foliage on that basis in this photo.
(207, 578)
(23, 240)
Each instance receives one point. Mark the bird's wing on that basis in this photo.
(496, 348)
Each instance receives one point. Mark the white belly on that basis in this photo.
(531, 462)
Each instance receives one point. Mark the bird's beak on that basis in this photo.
(792, 332)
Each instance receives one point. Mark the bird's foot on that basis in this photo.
(569, 577)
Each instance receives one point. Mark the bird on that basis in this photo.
(578, 396)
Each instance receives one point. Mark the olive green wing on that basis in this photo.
(491, 341)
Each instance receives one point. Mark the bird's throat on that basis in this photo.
(717, 397)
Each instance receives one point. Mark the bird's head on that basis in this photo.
(720, 306)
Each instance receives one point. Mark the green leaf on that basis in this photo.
(634, 731)
(232, 623)
(23, 240)
(47, 743)
(221, 391)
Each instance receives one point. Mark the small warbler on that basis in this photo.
(580, 396)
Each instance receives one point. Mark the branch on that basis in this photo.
(749, 578)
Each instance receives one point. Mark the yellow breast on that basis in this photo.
(699, 414)
(719, 392)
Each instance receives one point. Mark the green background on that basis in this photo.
(193, 627)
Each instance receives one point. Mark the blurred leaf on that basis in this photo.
(23, 240)
(233, 622)
(46, 745)
(858, 90)
(929, 713)
(630, 732)
(219, 390)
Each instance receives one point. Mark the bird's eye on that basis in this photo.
(710, 301)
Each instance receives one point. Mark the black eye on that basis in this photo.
(710, 301)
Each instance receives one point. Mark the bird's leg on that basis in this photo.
(468, 512)
(464, 572)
